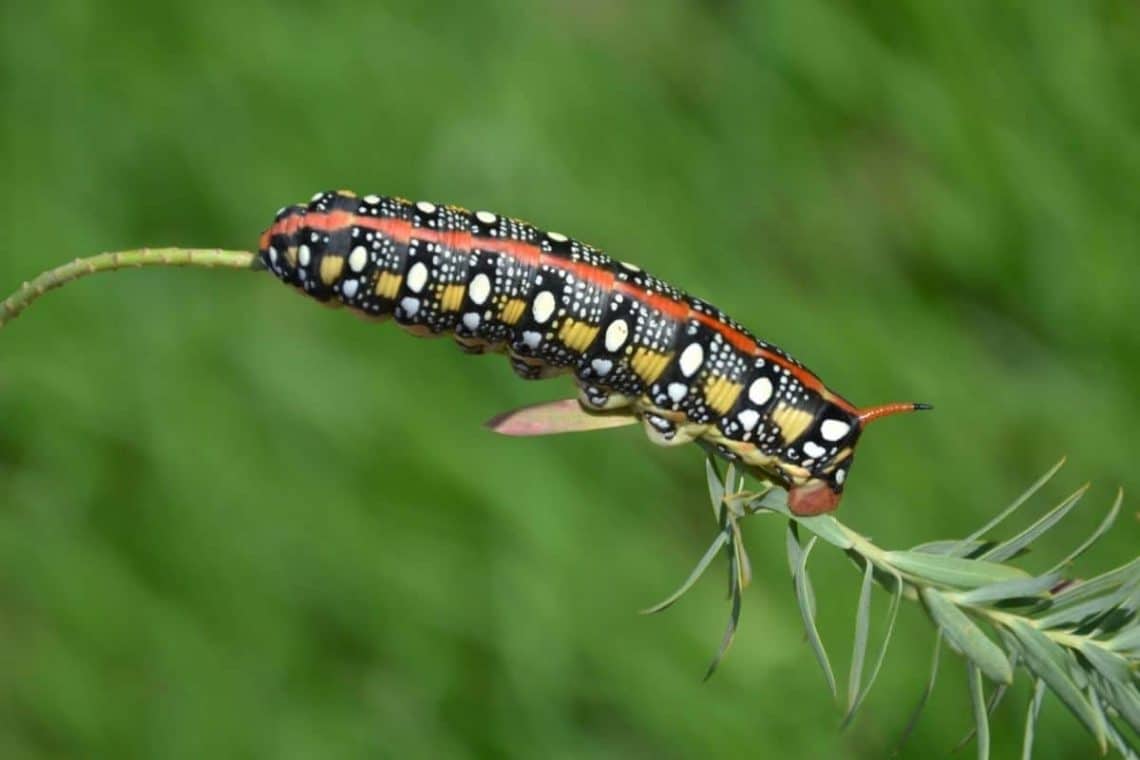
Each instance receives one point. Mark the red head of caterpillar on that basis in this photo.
(638, 348)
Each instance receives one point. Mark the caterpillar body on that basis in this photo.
(635, 345)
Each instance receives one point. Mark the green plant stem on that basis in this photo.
(211, 258)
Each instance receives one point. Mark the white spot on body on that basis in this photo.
(833, 430)
(544, 305)
(304, 255)
(691, 359)
(272, 255)
(631, 267)
(840, 476)
(677, 391)
(760, 391)
(531, 338)
(486, 217)
(371, 199)
(316, 197)
(426, 206)
(410, 305)
(358, 258)
(814, 450)
(471, 320)
(602, 366)
(748, 418)
(417, 277)
(349, 288)
(557, 237)
(616, 334)
(480, 289)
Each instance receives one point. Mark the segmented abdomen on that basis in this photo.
(555, 304)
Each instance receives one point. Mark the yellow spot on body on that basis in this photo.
(331, 268)
(452, 298)
(721, 393)
(649, 365)
(387, 285)
(577, 335)
(513, 311)
(794, 472)
(291, 256)
(792, 421)
(841, 457)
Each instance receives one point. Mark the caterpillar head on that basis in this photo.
(833, 439)
(817, 495)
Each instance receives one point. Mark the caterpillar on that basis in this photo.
(639, 349)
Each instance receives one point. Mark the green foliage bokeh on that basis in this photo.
(233, 524)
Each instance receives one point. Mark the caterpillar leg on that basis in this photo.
(471, 345)
(529, 368)
(598, 399)
(666, 432)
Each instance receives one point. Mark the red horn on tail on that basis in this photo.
(872, 413)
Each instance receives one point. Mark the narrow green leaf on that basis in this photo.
(1111, 666)
(795, 557)
(732, 484)
(1114, 620)
(1071, 616)
(827, 528)
(967, 637)
(720, 540)
(1007, 549)
(1031, 719)
(981, 718)
(1092, 608)
(1101, 529)
(775, 500)
(1126, 699)
(862, 626)
(1048, 662)
(1098, 714)
(1076, 670)
(1022, 588)
(1104, 582)
(1122, 745)
(716, 487)
(807, 610)
(733, 619)
(954, 572)
(952, 548)
(743, 563)
(922, 700)
(1127, 640)
(1011, 508)
(892, 616)
(995, 699)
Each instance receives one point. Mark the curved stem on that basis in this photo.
(12, 306)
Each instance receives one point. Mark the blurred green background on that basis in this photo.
(233, 524)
